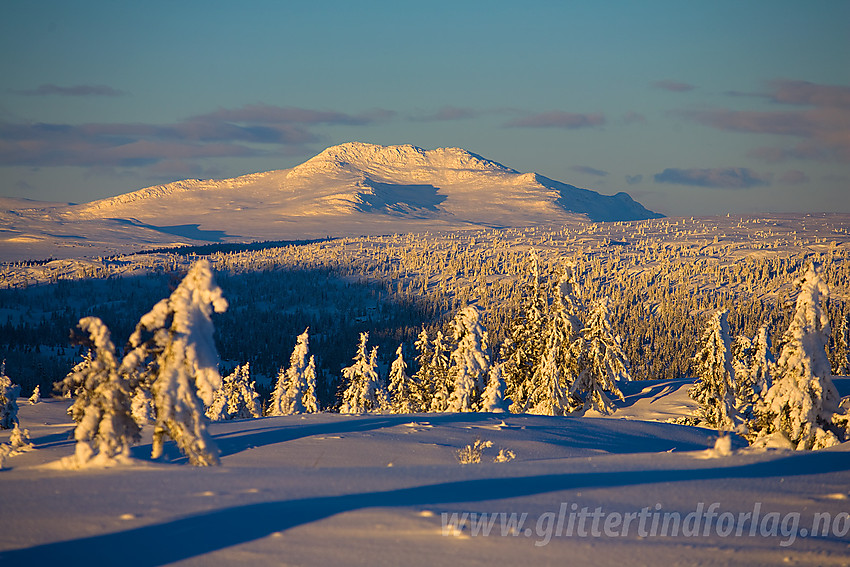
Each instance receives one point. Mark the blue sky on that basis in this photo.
(694, 108)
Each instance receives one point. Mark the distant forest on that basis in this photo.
(663, 282)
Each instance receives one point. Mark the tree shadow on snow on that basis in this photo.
(207, 532)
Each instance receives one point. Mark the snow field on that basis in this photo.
(318, 489)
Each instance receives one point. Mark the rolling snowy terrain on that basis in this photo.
(348, 190)
(444, 230)
(326, 489)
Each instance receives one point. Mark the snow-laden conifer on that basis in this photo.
(402, 389)
(237, 398)
(842, 348)
(288, 395)
(19, 440)
(36, 395)
(423, 391)
(763, 362)
(742, 364)
(714, 389)
(102, 402)
(802, 405)
(524, 345)
(8, 400)
(558, 366)
(470, 361)
(439, 383)
(603, 364)
(310, 401)
(753, 363)
(493, 399)
(174, 353)
(364, 392)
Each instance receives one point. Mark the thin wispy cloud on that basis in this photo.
(76, 90)
(269, 114)
(673, 86)
(447, 114)
(716, 178)
(794, 177)
(587, 170)
(634, 179)
(823, 126)
(558, 119)
(252, 130)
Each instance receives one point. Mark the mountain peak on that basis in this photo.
(360, 157)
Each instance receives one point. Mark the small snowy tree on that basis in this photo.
(493, 399)
(802, 404)
(603, 363)
(402, 389)
(36, 395)
(714, 389)
(102, 405)
(309, 400)
(174, 353)
(470, 361)
(438, 381)
(421, 400)
(365, 393)
(237, 398)
(288, 395)
(762, 363)
(8, 400)
(19, 440)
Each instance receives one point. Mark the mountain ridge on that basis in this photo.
(351, 189)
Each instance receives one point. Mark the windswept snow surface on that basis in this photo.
(348, 190)
(330, 489)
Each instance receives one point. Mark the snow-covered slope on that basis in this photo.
(329, 489)
(351, 189)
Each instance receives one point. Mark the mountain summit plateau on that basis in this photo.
(347, 190)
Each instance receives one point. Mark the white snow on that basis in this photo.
(330, 489)
(347, 190)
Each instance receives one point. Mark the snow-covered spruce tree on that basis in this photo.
(603, 364)
(523, 347)
(287, 398)
(439, 382)
(842, 348)
(402, 389)
(173, 353)
(102, 403)
(550, 390)
(310, 400)
(364, 392)
(753, 363)
(8, 400)
(742, 363)
(801, 407)
(714, 389)
(422, 394)
(237, 398)
(493, 399)
(36, 395)
(470, 361)
(763, 362)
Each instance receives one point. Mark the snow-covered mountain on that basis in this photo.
(350, 189)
